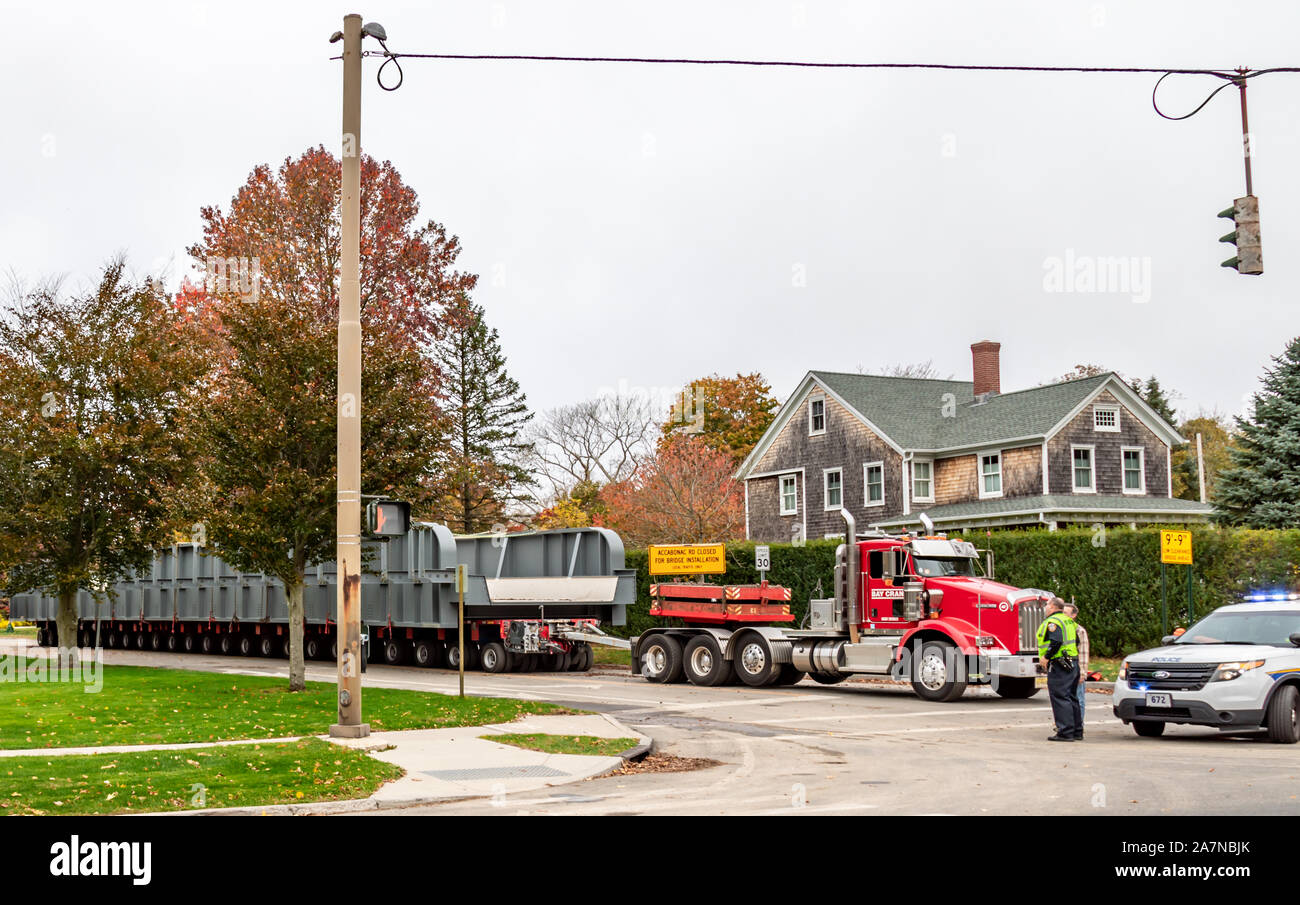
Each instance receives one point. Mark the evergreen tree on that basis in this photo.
(1155, 396)
(487, 411)
(1262, 489)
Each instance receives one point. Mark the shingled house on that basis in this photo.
(967, 455)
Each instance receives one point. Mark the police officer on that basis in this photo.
(1058, 653)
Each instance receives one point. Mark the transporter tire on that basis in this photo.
(425, 653)
(828, 678)
(227, 645)
(141, 640)
(1283, 720)
(1016, 688)
(661, 659)
(84, 638)
(206, 643)
(156, 641)
(703, 662)
(1148, 728)
(752, 659)
(311, 647)
(588, 657)
(556, 661)
(266, 646)
(110, 639)
(394, 652)
(453, 656)
(173, 642)
(245, 646)
(939, 673)
(40, 636)
(494, 657)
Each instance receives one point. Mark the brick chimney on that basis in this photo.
(987, 375)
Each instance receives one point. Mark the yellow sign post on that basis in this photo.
(688, 559)
(1176, 548)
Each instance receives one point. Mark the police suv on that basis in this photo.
(1238, 668)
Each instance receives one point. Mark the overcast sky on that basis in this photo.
(636, 226)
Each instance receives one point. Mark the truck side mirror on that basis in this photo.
(887, 564)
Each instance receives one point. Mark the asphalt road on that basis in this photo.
(859, 748)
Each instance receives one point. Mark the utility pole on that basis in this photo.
(348, 556)
(1200, 465)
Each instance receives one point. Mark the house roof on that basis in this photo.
(913, 414)
(1060, 507)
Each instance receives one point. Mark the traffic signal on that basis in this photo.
(388, 518)
(1244, 213)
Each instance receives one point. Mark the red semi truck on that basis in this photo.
(913, 608)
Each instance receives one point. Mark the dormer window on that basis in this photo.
(816, 417)
(1105, 418)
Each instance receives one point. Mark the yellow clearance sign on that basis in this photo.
(1176, 547)
(688, 559)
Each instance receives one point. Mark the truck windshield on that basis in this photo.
(935, 567)
(1272, 627)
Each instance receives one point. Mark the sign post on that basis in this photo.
(762, 561)
(1176, 550)
(462, 577)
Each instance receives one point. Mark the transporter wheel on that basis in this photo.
(156, 641)
(473, 658)
(227, 644)
(586, 657)
(494, 657)
(141, 640)
(311, 647)
(453, 656)
(425, 653)
(205, 643)
(557, 661)
(245, 646)
(173, 642)
(1015, 688)
(1283, 723)
(110, 639)
(703, 662)
(394, 652)
(752, 659)
(1148, 728)
(40, 636)
(789, 675)
(661, 659)
(266, 645)
(939, 673)
(334, 648)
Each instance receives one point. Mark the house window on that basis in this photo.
(816, 416)
(1134, 473)
(789, 494)
(873, 482)
(991, 474)
(833, 480)
(922, 481)
(1105, 418)
(1082, 467)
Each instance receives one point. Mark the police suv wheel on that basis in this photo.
(1283, 721)
(661, 659)
(938, 673)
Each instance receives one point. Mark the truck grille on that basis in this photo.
(1177, 676)
(1031, 617)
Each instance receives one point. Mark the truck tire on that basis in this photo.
(173, 642)
(227, 644)
(751, 657)
(245, 646)
(828, 678)
(394, 652)
(425, 653)
(141, 640)
(588, 657)
(453, 656)
(556, 661)
(1016, 688)
(266, 646)
(156, 641)
(661, 659)
(703, 663)
(494, 657)
(1283, 725)
(789, 675)
(311, 647)
(933, 676)
(206, 643)
(1148, 728)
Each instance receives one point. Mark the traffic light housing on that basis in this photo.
(1244, 214)
(388, 518)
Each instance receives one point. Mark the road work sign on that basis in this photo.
(688, 559)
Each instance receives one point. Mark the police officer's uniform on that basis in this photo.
(1058, 642)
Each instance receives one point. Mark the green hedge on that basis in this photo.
(1114, 577)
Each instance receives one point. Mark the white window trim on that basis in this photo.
(1107, 407)
(793, 477)
(922, 499)
(1092, 467)
(979, 474)
(865, 499)
(826, 473)
(811, 400)
(1142, 470)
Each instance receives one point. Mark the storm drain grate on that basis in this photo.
(536, 770)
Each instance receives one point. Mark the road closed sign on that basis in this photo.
(688, 559)
(1176, 548)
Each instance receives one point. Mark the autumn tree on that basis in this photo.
(270, 431)
(1261, 489)
(1216, 443)
(684, 494)
(728, 414)
(486, 413)
(92, 393)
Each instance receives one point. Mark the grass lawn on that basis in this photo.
(141, 705)
(20, 631)
(231, 776)
(566, 744)
(612, 656)
(1107, 666)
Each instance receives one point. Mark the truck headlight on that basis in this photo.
(1229, 671)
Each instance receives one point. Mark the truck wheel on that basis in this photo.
(789, 675)
(588, 657)
(173, 642)
(425, 654)
(141, 640)
(245, 646)
(494, 657)
(1015, 688)
(206, 643)
(1148, 728)
(156, 641)
(473, 656)
(933, 676)
(661, 659)
(266, 646)
(703, 662)
(311, 647)
(556, 661)
(828, 678)
(752, 660)
(394, 651)
(453, 656)
(1283, 726)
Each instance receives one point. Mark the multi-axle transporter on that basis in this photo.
(912, 608)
